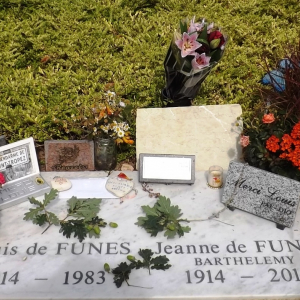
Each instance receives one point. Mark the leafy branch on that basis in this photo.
(83, 212)
(163, 216)
(122, 272)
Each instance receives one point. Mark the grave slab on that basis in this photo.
(208, 132)
(235, 256)
(69, 155)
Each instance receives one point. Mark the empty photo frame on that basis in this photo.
(166, 168)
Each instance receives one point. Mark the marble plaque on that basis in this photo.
(262, 193)
(208, 132)
(235, 256)
(69, 155)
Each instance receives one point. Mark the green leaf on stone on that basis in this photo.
(163, 216)
(40, 219)
(53, 218)
(49, 197)
(33, 212)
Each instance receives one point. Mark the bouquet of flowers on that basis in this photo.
(196, 48)
(105, 117)
(271, 141)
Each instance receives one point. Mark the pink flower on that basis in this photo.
(244, 140)
(268, 118)
(188, 44)
(195, 26)
(200, 61)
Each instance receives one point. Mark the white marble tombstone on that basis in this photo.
(236, 256)
(208, 132)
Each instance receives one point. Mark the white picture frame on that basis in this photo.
(166, 168)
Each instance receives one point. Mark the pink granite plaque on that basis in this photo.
(69, 155)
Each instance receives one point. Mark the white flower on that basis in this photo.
(111, 94)
(120, 133)
(122, 104)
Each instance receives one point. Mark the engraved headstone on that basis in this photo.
(262, 193)
(69, 155)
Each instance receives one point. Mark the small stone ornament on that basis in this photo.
(61, 184)
(120, 185)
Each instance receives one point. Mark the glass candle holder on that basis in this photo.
(215, 177)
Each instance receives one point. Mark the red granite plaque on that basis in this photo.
(69, 155)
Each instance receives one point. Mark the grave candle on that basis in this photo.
(215, 177)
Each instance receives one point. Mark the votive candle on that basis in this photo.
(215, 177)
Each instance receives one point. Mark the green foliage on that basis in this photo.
(84, 213)
(56, 53)
(151, 263)
(74, 226)
(80, 208)
(122, 272)
(163, 216)
(40, 215)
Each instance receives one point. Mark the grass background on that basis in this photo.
(56, 53)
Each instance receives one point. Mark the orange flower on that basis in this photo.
(272, 143)
(268, 118)
(286, 142)
(128, 140)
(296, 131)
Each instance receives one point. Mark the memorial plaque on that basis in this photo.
(262, 193)
(19, 165)
(69, 155)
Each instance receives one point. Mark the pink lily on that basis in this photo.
(195, 26)
(188, 44)
(200, 61)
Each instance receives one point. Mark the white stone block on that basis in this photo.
(208, 132)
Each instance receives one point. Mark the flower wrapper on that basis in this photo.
(184, 74)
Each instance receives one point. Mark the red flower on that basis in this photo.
(2, 179)
(216, 35)
(268, 118)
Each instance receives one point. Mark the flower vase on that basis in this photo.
(105, 154)
(182, 84)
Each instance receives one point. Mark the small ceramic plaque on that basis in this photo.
(118, 186)
(61, 184)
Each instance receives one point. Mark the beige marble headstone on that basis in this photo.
(208, 132)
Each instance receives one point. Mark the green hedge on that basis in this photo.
(55, 53)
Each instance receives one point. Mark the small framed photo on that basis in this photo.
(166, 168)
(19, 166)
(18, 160)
